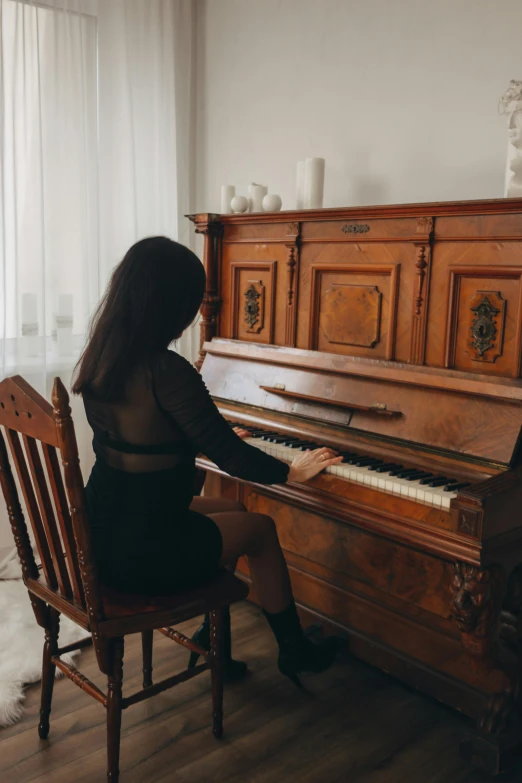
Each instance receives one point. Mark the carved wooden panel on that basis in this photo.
(352, 314)
(483, 330)
(254, 306)
(253, 295)
(353, 308)
(486, 331)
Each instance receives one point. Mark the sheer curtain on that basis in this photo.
(95, 152)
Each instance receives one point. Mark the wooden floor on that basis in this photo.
(353, 725)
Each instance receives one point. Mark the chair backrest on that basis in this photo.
(35, 433)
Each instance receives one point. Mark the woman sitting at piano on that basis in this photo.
(151, 414)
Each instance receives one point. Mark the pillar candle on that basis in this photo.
(227, 194)
(256, 194)
(314, 183)
(300, 185)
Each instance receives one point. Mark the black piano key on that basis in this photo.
(429, 479)
(452, 481)
(386, 467)
(415, 476)
(418, 473)
(346, 455)
(405, 472)
(267, 435)
(365, 462)
(438, 482)
(453, 487)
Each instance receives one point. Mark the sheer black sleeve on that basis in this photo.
(183, 396)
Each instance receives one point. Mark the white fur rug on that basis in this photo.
(21, 641)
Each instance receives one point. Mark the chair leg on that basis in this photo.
(146, 646)
(216, 670)
(114, 696)
(48, 670)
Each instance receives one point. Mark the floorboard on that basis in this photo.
(351, 723)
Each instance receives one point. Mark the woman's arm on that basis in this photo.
(306, 464)
(182, 394)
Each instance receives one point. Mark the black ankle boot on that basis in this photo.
(297, 653)
(232, 670)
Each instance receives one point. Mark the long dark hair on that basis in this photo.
(153, 295)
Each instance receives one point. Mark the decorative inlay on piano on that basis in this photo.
(394, 335)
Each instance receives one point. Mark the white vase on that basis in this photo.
(239, 204)
(272, 203)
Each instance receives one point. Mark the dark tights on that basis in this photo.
(254, 535)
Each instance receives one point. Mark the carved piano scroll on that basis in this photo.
(476, 598)
(212, 229)
(292, 265)
(505, 705)
(424, 233)
(486, 331)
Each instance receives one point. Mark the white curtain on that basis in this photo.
(96, 106)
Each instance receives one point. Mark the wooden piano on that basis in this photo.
(393, 334)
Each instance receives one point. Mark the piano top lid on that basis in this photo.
(448, 410)
(433, 209)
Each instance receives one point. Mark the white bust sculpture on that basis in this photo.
(511, 104)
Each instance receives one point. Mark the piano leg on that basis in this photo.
(488, 612)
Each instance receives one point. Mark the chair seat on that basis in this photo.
(129, 609)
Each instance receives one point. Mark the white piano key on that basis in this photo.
(382, 482)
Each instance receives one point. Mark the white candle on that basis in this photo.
(300, 184)
(314, 183)
(227, 194)
(256, 194)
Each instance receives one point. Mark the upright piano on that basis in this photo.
(394, 335)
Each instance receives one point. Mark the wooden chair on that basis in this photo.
(66, 581)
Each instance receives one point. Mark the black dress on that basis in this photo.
(145, 537)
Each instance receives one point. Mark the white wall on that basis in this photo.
(399, 96)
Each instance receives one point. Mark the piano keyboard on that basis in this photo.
(392, 478)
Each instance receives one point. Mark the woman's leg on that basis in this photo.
(255, 536)
(211, 506)
(234, 670)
